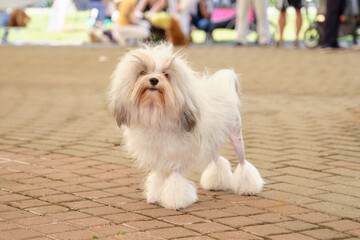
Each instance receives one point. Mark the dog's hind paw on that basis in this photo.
(217, 176)
(247, 180)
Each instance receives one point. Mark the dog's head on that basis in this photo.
(153, 87)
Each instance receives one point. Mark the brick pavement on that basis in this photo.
(64, 173)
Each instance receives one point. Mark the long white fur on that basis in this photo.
(246, 179)
(217, 175)
(184, 135)
(152, 188)
(177, 192)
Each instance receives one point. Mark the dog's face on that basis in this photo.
(152, 90)
(152, 87)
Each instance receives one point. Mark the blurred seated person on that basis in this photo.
(129, 26)
(100, 7)
(201, 19)
(154, 11)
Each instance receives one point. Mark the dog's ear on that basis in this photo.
(121, 116)
(118, 89)
(189, 117)
(120, 113)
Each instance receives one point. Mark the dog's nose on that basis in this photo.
(154, 81)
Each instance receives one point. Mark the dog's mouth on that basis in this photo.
(153, 89)
(152, 92)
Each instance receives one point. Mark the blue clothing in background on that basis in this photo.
(4, 19)
(99, 5)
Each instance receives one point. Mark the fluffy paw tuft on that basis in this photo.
(247, 180)
(153, 185)
(217, 176)
(177, 192)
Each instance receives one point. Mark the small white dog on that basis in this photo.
(174, 122)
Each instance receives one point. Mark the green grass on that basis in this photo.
(273, 15)
(75, 28)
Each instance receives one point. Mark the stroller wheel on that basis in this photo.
(311, 37)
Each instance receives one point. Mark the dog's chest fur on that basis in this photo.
(162, 149)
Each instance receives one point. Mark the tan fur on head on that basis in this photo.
(152, 100)
(135, 101)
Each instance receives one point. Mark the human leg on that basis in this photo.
(263, 28)
(242, 23)
(185, 23)
(334, 8)
(204, 24)
(282, 23)
(298, 24)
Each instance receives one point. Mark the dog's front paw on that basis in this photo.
(151, 200)
(177, 192)
(247, 180)
(153, 185)
(249, 194)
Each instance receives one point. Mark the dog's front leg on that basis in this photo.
(153, 185)
(177, 192)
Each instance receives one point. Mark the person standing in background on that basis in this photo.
(334, 9)
(58, 15)
(283, 5)
(242, 21)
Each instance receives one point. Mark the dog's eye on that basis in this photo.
(167, 75)
(142, 73)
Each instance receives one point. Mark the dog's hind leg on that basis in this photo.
(246, 178)
(217, 175)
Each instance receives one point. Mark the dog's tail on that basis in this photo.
(228, 81)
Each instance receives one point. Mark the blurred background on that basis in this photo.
(78, 22)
